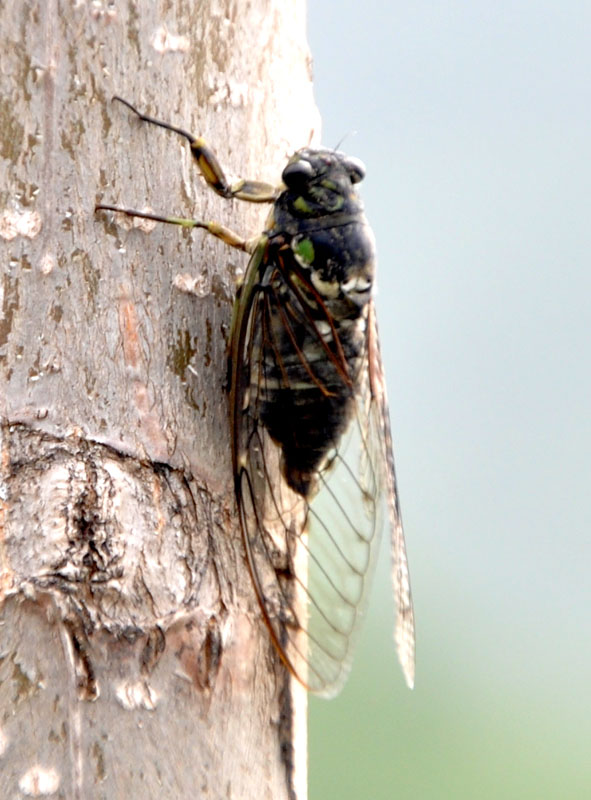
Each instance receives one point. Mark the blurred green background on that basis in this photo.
(474, 121)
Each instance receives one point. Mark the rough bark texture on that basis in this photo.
(133, 661)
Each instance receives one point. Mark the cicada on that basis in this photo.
(311, 446)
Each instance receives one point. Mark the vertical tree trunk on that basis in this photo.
(133, 661)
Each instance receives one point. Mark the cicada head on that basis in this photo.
(320, 183)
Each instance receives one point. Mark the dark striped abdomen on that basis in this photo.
(304, 393)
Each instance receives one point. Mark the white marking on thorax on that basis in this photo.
(357, 289)
(328, 289)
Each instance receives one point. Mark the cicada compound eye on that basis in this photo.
(297, 173)
(356, 169)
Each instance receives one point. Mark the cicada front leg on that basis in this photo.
(209, 166)
(212, 172)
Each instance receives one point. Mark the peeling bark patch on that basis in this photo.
(9, 305)
(19, 223)
(3, 742)
(142, 224)
(129, 325)
(196, 642)
(6, 573)
(98, 12)
(164, 41)
(196, 285)
(181, 356)
(111, 544)
(86, 683)
(136, 694)
(88, 533)
(24, 686)
(147, 409)
(208, 343)
(150, 422)
(240, 656)
(182, 353)
(99, 758)
(39, 781)
(82, 263)
(47, 264)
(153, 649)
(13, 133)
(209, 657)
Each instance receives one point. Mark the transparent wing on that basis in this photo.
(404, 631)
(311, 555)
(345, 522)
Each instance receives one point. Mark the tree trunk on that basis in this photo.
(133, 660)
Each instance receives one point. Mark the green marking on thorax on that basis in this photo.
(301, 205)
(305, 250)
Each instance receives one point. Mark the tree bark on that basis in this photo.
(133, 660)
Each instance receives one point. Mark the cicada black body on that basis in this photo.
(311, 447)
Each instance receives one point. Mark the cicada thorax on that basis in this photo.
(312, 341)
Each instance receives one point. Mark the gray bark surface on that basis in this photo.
(133, 659)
